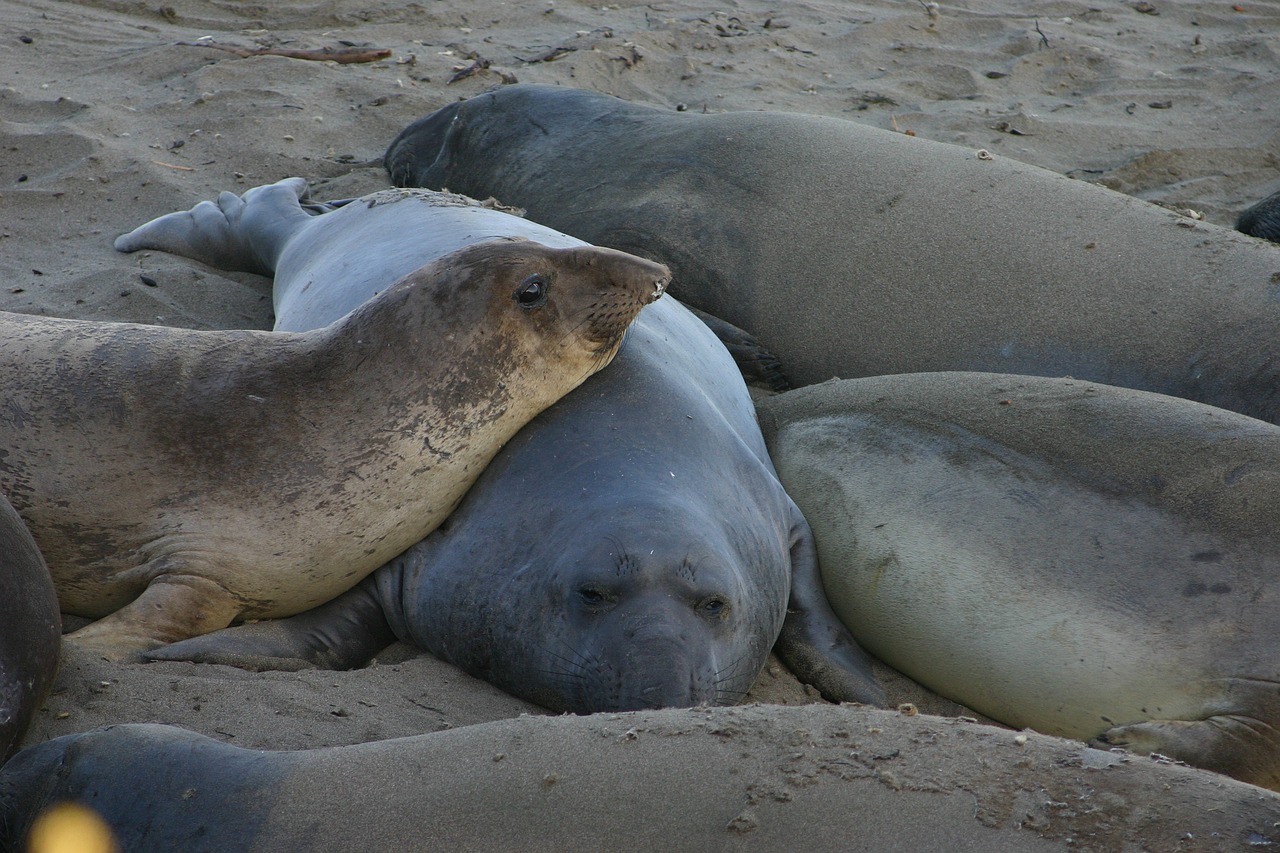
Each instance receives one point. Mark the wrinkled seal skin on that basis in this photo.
(1088, 561)
(1263, 219)
(852, 251)
(631, 549)
(177, 480)
(29, 629)
(688, 774)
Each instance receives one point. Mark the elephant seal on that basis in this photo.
(1088, 561)
(630, 548)
(757, 777)
(853, 251)
(177, 480)
(30, 628)
(1263, 219)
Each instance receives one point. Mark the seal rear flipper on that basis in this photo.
(1246, 748)
(760, 368)
(235, 233)
(814, 643)
(342, 634)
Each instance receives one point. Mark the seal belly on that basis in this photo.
(1038, 600)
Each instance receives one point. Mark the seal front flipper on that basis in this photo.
(814, 643)
(172, 607)
(1243, 742)
(341, 634)
(760, 368)
(237, 233)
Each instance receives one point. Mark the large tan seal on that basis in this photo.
(178, 480)
(1088, 561)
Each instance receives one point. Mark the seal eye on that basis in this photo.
(714, 607)
(593, 596)
(532, 292)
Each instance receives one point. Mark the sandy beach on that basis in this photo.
(113, 112)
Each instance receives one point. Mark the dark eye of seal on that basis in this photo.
(713, 607)
(532, 292)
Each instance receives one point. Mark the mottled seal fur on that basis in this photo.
(29, 629)
(852, 251)
(630, 549)
(177, 480)
(1088, 561)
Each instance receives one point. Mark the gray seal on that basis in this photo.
(853, 251)
(631, 548)
(30, 629)
(1088, 561)
(178, 480)
(1262, 219)
(755, 777)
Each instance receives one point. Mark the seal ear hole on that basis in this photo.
(532, 292)
(713, 607)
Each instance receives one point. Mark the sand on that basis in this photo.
(107, 120)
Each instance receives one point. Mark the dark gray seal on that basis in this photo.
(177, 480)
(631, 549)
(30, 629)
(756, 777)
(1263, 219)
(1088, 561)
(852, 251)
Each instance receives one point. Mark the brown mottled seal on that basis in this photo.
(852, 251)
(1088, 561)
(749, 778)
(630, 548)
(178, 480)
(29, 629)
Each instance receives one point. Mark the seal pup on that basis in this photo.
(30, 628)
(177, 480)
(631, 548)
(697, 779)
(1088, 561)
(853, 251)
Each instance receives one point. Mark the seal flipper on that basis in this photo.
(172, 607)
(814, 643)
(760, 368)
(236, 233)
(341, 634)
(1243, 743)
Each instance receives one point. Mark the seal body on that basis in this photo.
(952, 783)
(1088, 561)
(1262, 219)
(29, 629)
(177, 480)
(852, 251)
(632, 549)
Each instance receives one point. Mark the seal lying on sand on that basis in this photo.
(1263, 219)
(758, 777)
(1088, 561)
(29, 629)
(631, 548)
(852, 251)
(178, 480)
